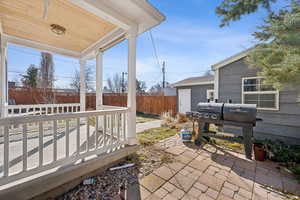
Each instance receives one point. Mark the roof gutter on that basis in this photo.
(193, 84)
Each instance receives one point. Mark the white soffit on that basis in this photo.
(125, 14)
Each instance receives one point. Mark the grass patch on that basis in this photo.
(228, 144)
(166, 158)
(142, 117)
(154, 135)
(137, 158)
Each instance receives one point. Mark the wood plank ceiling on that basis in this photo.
(24, 19)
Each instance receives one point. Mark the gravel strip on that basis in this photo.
(105, 187)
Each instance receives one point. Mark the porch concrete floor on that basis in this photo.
(213, 173)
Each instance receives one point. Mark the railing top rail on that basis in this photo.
(62, 116)
(41, 105)
(110, 107)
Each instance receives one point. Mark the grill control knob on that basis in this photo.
(206, 115)
(214, 116)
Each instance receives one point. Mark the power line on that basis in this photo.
(154, 48)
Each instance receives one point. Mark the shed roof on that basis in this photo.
(199, 80)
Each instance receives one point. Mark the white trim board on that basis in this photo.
(194, 84)
(150, 10)
(231, 59)
(106, 12)
(109, 38)
(40, 46)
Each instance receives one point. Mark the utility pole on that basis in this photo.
(164, 73)
(123, 81)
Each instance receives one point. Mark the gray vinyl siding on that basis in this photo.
(198, 94)
(282, 124)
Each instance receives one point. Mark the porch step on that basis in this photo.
(54, 182)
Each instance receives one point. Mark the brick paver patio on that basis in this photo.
(214, 173)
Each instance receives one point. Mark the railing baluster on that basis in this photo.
(118, 126)
(87, 134)
(104, 130)
(25, 147)
(78, 135)
(97, 132)
(54, 140)
(67, 137)
(41, 135)
(6, 151)
(124, 126)
(111, 128)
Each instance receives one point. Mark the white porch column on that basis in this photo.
(82, 85)
(131, 95)
(99, 80)
(3, 77)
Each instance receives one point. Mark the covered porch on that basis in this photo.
(37, 138)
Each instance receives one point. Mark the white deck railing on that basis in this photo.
(57, 140)
(41, 109)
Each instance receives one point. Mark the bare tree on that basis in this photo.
(114, 84)
(46, 75)
(141, 87)
(75, 84)
(208, 73)
(157, 89)
(117, 85)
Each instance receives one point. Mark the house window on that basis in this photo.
(254, 91)
(210, 95)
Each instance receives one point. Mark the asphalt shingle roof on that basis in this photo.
(200, 80)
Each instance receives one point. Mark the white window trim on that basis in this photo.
(207, 93)
(276, 92)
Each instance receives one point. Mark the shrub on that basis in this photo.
(168, 120)
(181, 118)
(296, 170)
(167, 117)
(279, 152)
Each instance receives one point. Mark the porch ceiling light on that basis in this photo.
(57, 29)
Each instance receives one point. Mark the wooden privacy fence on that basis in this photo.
(144, 103)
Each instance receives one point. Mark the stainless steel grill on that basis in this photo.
(241, 115)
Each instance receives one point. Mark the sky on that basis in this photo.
(189, 41)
